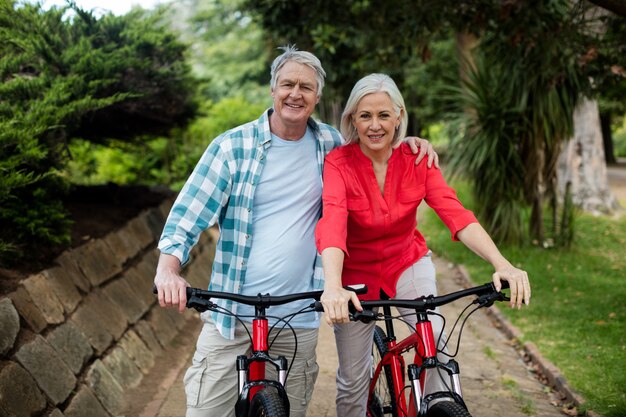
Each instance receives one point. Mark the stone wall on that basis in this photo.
(75, 336)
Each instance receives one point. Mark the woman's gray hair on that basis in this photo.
(291, 53)
(373, 83)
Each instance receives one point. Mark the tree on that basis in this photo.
(537, 51)
(228, 51)
(63, 77)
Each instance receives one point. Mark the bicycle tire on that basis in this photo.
(447, 409)
(267, 403)
(383, 397)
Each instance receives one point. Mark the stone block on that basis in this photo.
(124, 297)
(155, 221)
(44, 297)
(179, 319)
(28, 310)
(56, 413)
(63, 286)
(145, 332)
(71, 344)
(89, 322)
(138, 351)
(67, 261)
(9, 325)
(85, 404)
(164, 328)
(141, 284)
(165, 207)
(148, 264)
(52, 374)
(97, 261)
(123, 243)
(122, 367)
(19, 394)
(109, 314)
(141, 231)
(108, 391)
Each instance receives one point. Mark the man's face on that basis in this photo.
(295, 94)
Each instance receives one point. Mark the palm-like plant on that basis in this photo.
(518, 101)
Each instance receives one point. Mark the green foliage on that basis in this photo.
(162, 160)
(619, 138)
(63, 77)
(228, 48)
(576, 315)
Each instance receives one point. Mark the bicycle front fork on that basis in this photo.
(254, 367)
(451, 368)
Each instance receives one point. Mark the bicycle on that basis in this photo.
(386, 394)
(259, 396)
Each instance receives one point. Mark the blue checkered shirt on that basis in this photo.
(221, 190)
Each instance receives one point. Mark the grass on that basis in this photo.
(577, 314)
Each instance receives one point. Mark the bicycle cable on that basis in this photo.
(293, 331)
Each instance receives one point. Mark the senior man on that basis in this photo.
(261, 183)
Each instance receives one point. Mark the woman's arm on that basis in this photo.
(475, 237)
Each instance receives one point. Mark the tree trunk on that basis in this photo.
(465, 41)
(330, 110)
(582, 163)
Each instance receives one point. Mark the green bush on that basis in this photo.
(64, 77)
(162, 160)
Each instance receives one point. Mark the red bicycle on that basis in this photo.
(259, 396)
(387, 386)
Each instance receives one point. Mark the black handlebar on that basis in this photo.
(431, 302)
(200, 299)
(486, 293)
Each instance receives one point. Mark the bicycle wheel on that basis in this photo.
(447, 409)
(382, 400)
(267, 403)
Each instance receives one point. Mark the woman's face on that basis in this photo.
(375, 121)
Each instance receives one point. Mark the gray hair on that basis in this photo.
(291, 53)
(373, 83)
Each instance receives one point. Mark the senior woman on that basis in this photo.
(368, 234)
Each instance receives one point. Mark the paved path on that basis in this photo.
(496, 382)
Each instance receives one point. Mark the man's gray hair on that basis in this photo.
(291, 53)
(373, 83)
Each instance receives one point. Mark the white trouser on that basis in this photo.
(355, 339)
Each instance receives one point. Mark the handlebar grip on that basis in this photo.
(505, 284)
(154, 289)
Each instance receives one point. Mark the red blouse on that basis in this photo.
(378, 232)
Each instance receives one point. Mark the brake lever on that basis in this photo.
(200, 304)
(365, 316)
(487, 300)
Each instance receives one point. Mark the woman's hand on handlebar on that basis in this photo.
(335, 301)
(170, 285)
(518, 283)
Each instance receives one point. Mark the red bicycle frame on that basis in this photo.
(251, 369)
(425, 353)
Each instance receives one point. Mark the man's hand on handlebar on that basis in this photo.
(171, 287)
(335, 301)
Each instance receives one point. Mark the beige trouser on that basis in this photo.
(355, 339)
(211, 381)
